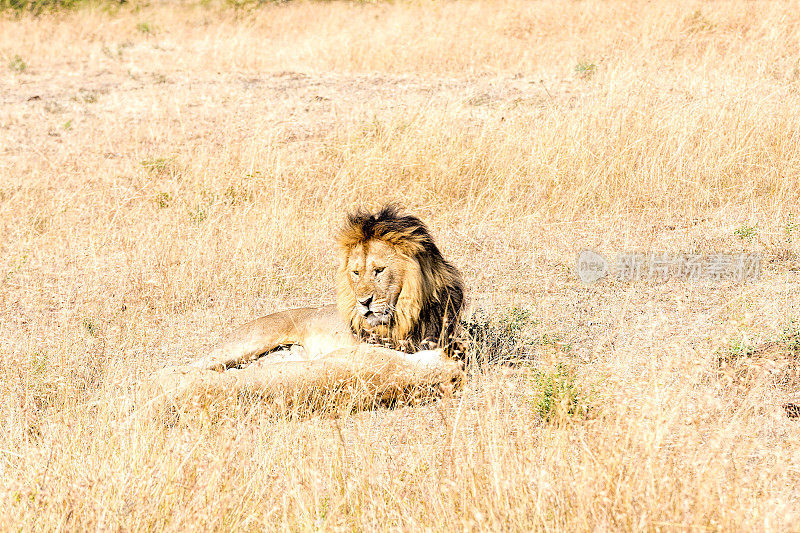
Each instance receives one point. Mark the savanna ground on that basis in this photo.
(170, 171)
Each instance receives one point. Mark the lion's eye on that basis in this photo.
(355, 273)
(379, 270)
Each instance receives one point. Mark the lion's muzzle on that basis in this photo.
(374, 313)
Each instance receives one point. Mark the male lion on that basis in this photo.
(393, 326)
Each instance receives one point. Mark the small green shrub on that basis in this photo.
(505, 338)
(163, 199)
(41, 6)
(745, 232)
(497, 340)
(791, 337)
(16, 268)
(233, 196)
(90, 326)
(585, 69)
(17, 64)
(734, 351)
(557, 396)
(145, 27)
(159, 166)
(791, 228)
(198, 214)
(696, 22)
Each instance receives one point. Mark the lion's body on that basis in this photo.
(398, 301)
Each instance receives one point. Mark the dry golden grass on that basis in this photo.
(169, 171)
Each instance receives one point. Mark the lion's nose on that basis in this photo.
(365, 301)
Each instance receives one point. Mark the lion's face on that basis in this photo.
(393, 282)
(375, 273)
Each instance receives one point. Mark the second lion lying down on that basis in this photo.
(394, 325)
